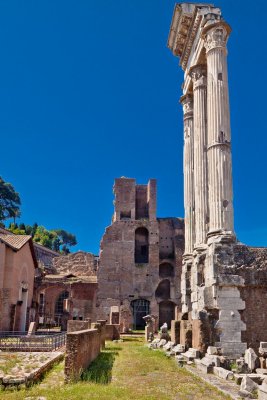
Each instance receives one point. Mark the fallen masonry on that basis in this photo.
(252, 384)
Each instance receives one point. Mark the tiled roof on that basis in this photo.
(16, 242)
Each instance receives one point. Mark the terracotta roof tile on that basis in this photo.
(16, 242)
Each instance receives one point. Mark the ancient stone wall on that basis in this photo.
(78, 264)
(81, 296)
(82, 348)
(140, 257)
(251, 264)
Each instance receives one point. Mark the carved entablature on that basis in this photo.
(198, 73)
(216, 36)
(186, 38)
(187, 103)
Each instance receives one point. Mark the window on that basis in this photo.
(59, 306)
(141, 253)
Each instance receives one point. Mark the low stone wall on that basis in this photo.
(82, 348)
(112, 332)
(76, 325)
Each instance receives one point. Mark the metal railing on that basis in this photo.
(21, 341)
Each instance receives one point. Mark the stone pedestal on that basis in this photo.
(148, 331)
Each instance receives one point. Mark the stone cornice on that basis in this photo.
(189, 19)
(190, 39)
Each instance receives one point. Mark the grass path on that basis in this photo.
(126, 371)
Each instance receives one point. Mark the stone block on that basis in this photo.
(248, 384)
(161, 343)
(168, 346)
(223, 373)
(215, 360)
(262, 371)
(251, 359)
(212, 350)
(262, 393)
(262, 390)
(257, 378)
(178, 349)
(208, 369)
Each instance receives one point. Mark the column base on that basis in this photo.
(199, 248)
(221, 236)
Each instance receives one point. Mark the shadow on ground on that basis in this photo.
(100, 371)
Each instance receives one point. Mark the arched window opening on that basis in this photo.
(166, 270)
(59, 306)
(164, 289)
(141, 253)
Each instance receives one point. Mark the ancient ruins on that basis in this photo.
(223, 281)
(191, 275)
(140, 259)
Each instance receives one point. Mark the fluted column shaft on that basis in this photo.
(199, 77)
(187, 102)
(218, 127)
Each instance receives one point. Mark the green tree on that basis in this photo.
(66, 238)
(9, 201)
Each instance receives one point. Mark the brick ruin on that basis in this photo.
(223, 282)
(140, 259)
(67, 290)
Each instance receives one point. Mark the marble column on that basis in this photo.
(198, 74)
(187, 103)
(218, 128)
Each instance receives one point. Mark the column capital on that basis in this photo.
(187, 102)
(198, 73)
(215, 35)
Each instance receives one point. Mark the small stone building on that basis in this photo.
(17, 270)
(140, 259)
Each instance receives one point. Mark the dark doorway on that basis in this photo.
(166, 312)
(140, 308)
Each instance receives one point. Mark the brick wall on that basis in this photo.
(82, 348)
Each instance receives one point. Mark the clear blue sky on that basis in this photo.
(89, 92)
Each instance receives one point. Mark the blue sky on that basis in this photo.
(89, 92)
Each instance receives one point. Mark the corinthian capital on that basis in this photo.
(216, 36)
(198, 73)
(187, 103)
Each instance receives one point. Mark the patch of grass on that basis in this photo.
(100, 371)
(11, 360)
(127, 372)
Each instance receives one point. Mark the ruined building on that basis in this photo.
(67, 290)
(224, 283)
(140, 259)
